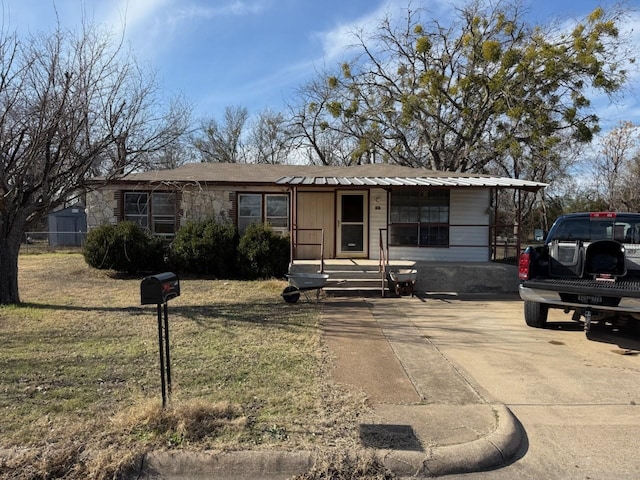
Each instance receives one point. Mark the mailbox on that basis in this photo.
(157, 289)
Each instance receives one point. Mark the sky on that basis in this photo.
(257, 53)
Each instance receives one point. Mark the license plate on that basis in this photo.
(590, 299)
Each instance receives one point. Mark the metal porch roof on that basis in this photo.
(453, 181)
(380, 175)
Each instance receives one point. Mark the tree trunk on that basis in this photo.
(9, 249)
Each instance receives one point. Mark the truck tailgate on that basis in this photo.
(618, 288)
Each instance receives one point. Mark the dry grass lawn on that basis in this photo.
(80, 382)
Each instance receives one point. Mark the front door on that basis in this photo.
(352, 228)
(316, 224)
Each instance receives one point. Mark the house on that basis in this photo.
(367, 212)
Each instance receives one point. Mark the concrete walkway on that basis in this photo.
(426, 419)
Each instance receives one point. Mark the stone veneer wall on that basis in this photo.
(197, 204)
(201, 204)
(101, 207)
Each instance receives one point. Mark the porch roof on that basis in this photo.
(384, 175)
(452, 181)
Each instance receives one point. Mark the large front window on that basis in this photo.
(263, 208)
(419, 218)
(155, 211)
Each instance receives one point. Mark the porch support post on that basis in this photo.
(493, 214)
(294, 224)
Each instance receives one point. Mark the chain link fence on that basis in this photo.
(46, 241)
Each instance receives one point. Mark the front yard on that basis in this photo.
(80, 379)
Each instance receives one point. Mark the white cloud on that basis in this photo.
(341, 38)
(151, 24)
(129, 15)
(235, 8)
(337, 41)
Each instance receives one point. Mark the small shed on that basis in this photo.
(68, 227)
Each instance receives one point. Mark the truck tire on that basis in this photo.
(535, 314)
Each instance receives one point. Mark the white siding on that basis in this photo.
(451, 254)
(377, 220)
(468, 235)
(469, 207)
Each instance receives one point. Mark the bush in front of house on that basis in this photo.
(125, 247)
(206, 248)
(263, 253)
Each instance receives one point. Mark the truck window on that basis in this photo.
(574, 229)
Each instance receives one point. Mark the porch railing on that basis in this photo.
(383, 262)
(295, 244)
(503, 243)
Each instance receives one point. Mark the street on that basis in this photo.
(577, 398)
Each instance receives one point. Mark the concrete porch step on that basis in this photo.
(355, 291)
(347, 277)
(354, 286)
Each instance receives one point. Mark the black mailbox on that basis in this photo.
(157, 289)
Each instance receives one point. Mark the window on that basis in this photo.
(155, 211)
(621, 228)
(249, 210)
(259, 208)
(163, 213)
(419, 217)
(136, 208)
(277, 211)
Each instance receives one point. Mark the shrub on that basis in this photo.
(124, 247)
(206, 248)
(262, 253)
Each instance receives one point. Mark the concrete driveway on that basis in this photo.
(576, 398)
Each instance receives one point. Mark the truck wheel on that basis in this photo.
(535, 314)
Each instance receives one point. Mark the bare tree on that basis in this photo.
(270, 139)
(222, 142)
(311, 127)
(71, 104)
(616, 167)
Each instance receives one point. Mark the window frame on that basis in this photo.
(142, 211)
(163, 219)
(242, 225)
(420, 218)
(264, 211)
(152, 220)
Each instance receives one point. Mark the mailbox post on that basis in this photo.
(159, 289)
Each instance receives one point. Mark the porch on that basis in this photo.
(353, 276)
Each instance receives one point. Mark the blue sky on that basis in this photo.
(255, 53)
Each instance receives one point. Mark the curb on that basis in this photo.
(227, 465)
(491, 451)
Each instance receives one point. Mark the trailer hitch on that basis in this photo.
(587, 321)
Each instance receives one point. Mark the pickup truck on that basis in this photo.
(589, 264)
